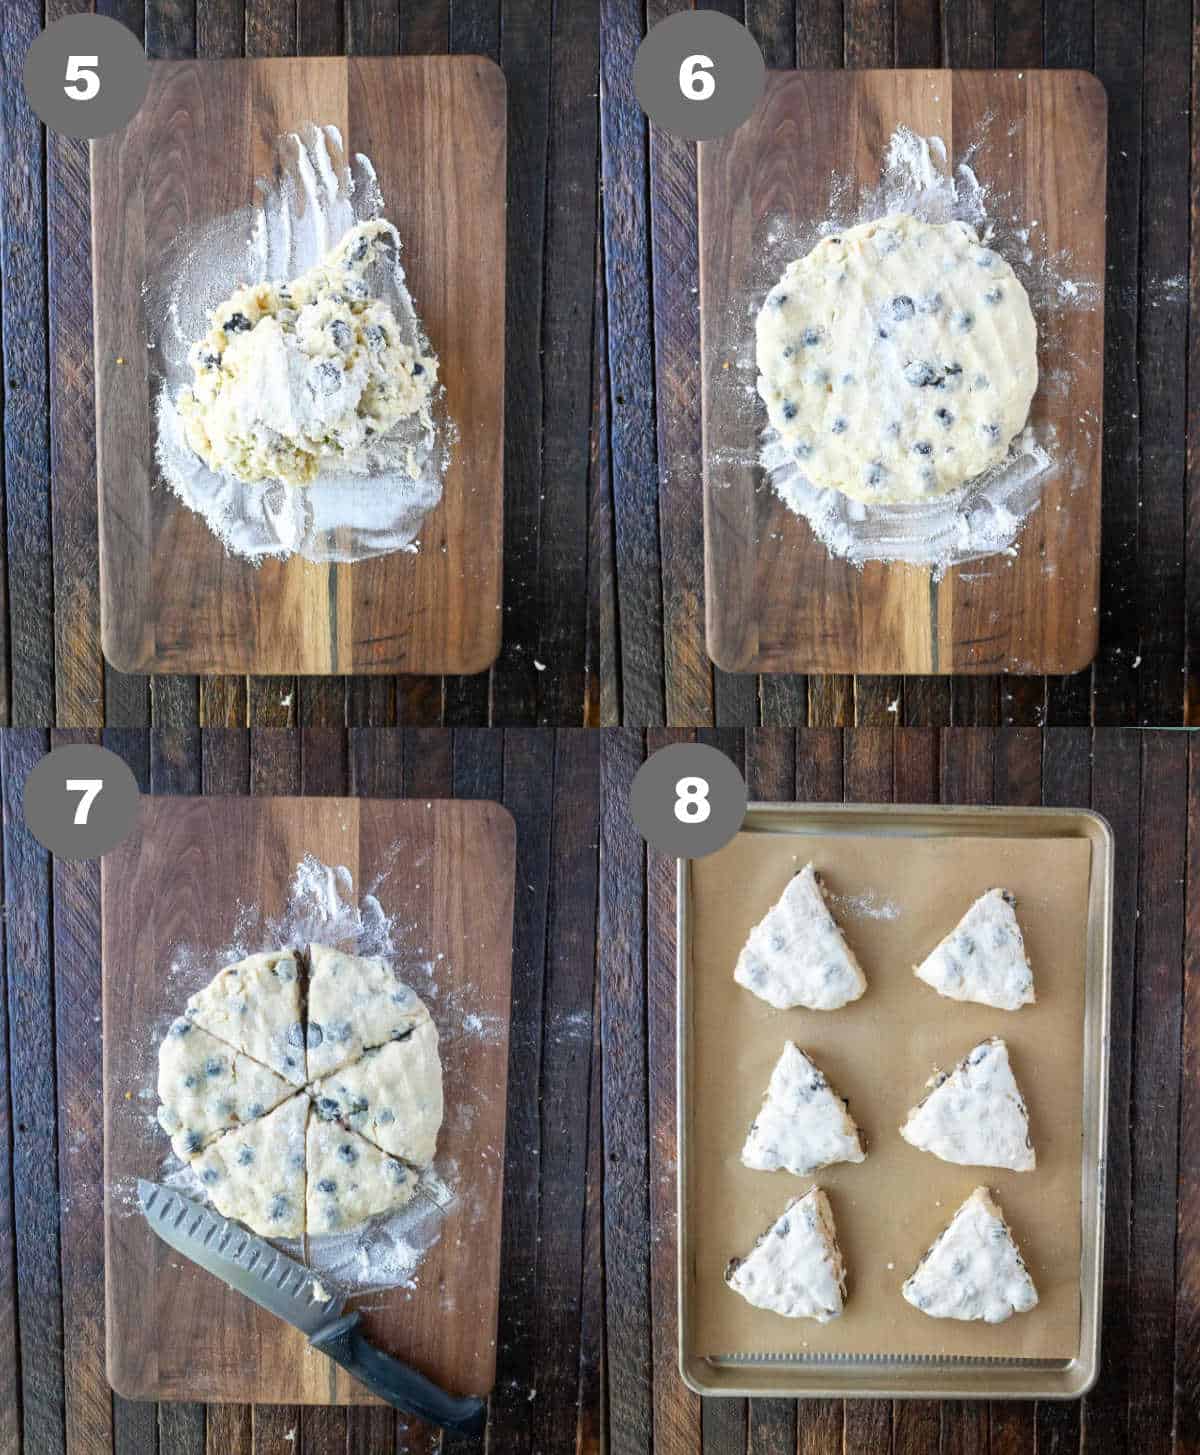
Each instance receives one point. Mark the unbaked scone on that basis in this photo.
(983, 958)
(292, 373)
(897, 359)
(256, 1174)
(255, 1006)
(803, 1123)
(975, 1115)
(795, 1269)
(391, 1095)
(355, 1002)
(974, 1269)
(205, 1087)
(349, 1180)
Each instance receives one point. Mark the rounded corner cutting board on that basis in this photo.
(172, 599)
(174, 1331)
(776, 600)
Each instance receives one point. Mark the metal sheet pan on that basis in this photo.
(924, 1377)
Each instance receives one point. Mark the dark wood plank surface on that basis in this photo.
(1147, 785)
(51, 1258)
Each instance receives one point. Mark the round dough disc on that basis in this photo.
(897, 360)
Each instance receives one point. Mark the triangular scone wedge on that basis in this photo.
(796, 955)
(392, 1095)
(975, 1115)
(983, 958)
(255, 1006)
(803, 1123)
(349, 1180)
(206, 1087)
(795, 1269)
(354, 1003)
(974, 1270)
(256, 1174)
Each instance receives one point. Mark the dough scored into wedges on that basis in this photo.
(795, 1269)
(796, 955)
(803, 1124)
(975, 1115)
(256, 1174)
(205, 1087)
(391, 1095)
(974, 1269)
(354, 1004)
(255, 1006)
(983, 958)
(349, 1180)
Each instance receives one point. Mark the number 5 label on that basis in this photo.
(63, 74)
(82, 81)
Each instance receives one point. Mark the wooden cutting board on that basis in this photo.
(175, 1331)
(776, 600)
(172, 599)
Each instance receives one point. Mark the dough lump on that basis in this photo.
(897, 360)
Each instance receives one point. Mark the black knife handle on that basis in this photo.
(397, 1383)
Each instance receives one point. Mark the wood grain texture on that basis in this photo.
(172, 599)
(775, 599)
(176, 1333)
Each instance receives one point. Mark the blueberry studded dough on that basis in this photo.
(973, 1269)
(796, 955)
(257, 1173)
(796, 1268)
(354, 1004)
(349, 1180)
(392, 1095)
(293, 373)
(205, 1087)
(983, 958)
(897, 359)
(803, 1124)
(255, 1005)
(975, 1115)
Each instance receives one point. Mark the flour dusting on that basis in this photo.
(868, 905)
(367, 504)
(985, 516)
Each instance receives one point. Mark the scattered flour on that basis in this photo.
(357, 507)
(868, 905)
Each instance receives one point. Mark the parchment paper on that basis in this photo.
(894, 898)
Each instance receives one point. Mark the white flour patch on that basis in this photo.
(367, 505)
(985, 517)
(868, 905)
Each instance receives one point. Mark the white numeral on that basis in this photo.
(696, 80)
(691, 800)
(87, 82)
(90, 788)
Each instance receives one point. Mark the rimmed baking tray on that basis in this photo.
(719, 1369)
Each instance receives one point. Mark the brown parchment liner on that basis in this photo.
(878, 1053)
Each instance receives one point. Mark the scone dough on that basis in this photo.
(983, 958)
(795, 1269)
(349, 1180)
(256, 1174)
(796, 955)
(255, 1006)
(391, 1095)
(803, 1123)
(291, 373)
(975, 1115)
(974, 1269)
(354, 1003)
(898, 359)
(205, 1087)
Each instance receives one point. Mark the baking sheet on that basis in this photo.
(895, 896)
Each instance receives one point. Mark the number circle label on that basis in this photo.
(86, 75)
(80, 801)
(688, 800)
(698, 74)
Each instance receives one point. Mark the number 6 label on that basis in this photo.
(80, 801)
(696, 78)
(698, 74)
(687, 800)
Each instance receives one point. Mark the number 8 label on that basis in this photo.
(691, 800)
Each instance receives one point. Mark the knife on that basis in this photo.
(294, 1293)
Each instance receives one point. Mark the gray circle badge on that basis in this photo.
(86, 75)
(688, 800)
(80, 801)
(698, 74)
